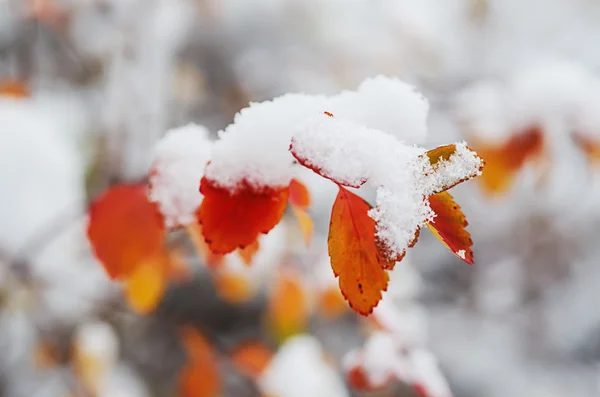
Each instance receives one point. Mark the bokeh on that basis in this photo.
(89, 87)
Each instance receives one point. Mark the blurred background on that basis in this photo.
(88, 87)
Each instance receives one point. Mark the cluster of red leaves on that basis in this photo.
(127, 232)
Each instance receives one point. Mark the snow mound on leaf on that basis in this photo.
(386, 104)
(254, 148)
(179, 161)
(383, 358)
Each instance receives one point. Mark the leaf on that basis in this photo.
(233, 287)
(441, 153)
(200, 377)
(355, 257)
(590, 147)
(247, 253)
(447, 155)
(503, 162)
(449, 226)
(14, 89)
(288, 311)
(299, 195)
(332, 303)
(252, 358)
(211, 259)
(125, 229)
(231, 220)
(305, 223)
(145, 286)
(300, 200)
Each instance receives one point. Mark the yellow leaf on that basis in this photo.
(146, 286)
(305, 223)
(288, 311)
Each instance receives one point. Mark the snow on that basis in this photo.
(377, 357)
(352, 154)
(97, 341)
(386, 104)
(299, 370)
(254, 148)
(180, 158)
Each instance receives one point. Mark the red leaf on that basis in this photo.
(449, 226)
(125, 229)
(252, 358)
(354, 255)
(231, 220)
(299, 194)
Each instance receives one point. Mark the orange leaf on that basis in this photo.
(332, 303)
(125, 229)
(355, 257)
(252, 358)
(443, 153)
(232, 220)
(305, 222)
(449, 226)
(288, 310)
(200, 377)
(233, 287)
(146, 285)
(14, 88)
(299, 194)
(590, 147)
(247, 253)
(503, 162)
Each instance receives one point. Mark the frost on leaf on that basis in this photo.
(354, 255)
(235, 219)
(451, 165)
(505, 160)
(351, 154)
(449, 226)
(384, 359)
(125, 230)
